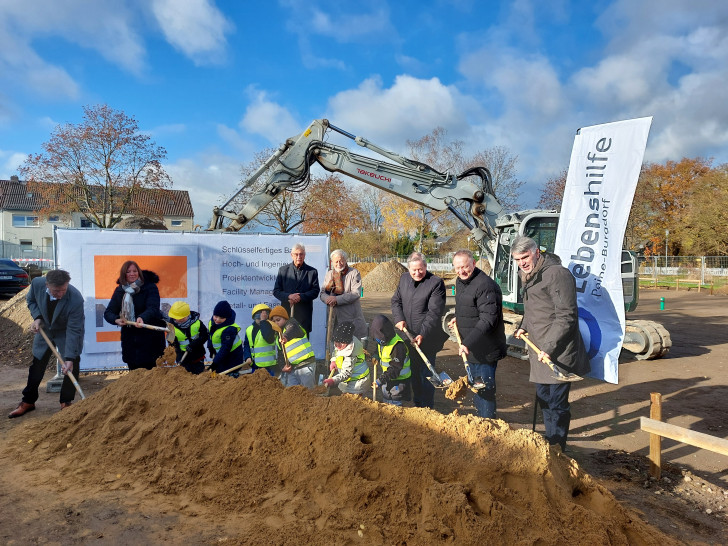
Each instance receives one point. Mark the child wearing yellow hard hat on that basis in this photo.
(190, 337)
(259, 346)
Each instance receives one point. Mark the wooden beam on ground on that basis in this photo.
(685, 435)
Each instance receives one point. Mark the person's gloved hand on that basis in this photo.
(332, 366)
(329, 382)
(378, 382)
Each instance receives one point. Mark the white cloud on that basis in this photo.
(210, 180)
(409, 109)
(268, 119)
(194, 27)
(9, 163)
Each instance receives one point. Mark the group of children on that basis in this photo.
(278, 344)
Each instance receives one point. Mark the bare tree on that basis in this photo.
(502, 165)
(97, 168)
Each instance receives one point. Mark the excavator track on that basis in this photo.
(646, 340)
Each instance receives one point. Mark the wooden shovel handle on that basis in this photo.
(531, 344)
(69, 373)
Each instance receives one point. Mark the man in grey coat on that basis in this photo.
(551, 320)
(341, 292)
(57, 307)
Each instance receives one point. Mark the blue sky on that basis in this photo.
(216, 81)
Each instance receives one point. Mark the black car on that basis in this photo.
(13, 278)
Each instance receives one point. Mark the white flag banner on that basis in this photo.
(603, 171)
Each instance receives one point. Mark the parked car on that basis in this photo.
(13, 278)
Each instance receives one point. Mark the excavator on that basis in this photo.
(469, 196)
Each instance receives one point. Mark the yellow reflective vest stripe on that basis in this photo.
(216, 337)
(182, 338)
(298, 350)
(264, 353)
(360, 370)
(385, 357)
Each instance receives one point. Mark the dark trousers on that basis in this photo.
(554, 403)
(35, 376)
(423, 392)
(484, 399)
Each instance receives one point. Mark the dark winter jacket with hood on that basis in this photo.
(226, 357)
(551, 319)
(479, 314)
(383, 329)
(140, 347)
(421, 305)
(194, 361)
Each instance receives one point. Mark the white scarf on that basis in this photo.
(127, 304)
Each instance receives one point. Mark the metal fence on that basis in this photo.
(684, 270)
(24, 255)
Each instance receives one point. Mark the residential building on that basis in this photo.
(27, 235)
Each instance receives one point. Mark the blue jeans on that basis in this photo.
(484, 399)
(554, 403)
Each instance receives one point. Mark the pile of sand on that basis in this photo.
(384, 277)
(16, 341)
(285, 466)
(364, 267)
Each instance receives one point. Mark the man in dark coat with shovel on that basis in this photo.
(57, 307)
(479, 319)
(418, 305)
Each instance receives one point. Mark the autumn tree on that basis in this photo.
(98, 168)
(552, 191)
(661, 203)
(328, 207)
(705, 230)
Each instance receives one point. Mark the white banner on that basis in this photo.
(603, 172)
(199, 268)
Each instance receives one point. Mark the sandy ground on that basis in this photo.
(46, 500)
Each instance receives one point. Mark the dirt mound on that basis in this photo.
(16, 341)
(384, 277)
(290, 467)
(365, 267)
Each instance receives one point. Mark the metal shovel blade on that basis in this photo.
(441, 380)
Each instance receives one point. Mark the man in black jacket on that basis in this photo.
(551, 319)
(418, 305)
(479, 319)
(297, 285)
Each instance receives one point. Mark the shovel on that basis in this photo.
(477, 382)
(61, 359)
(329, 327)
(169, 329)
(561, 376)
(374, 381)
(441, 380)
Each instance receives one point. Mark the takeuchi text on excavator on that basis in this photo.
(468, 195)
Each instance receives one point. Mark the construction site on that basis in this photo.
(166, 456)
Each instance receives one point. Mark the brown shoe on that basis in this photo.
(22, 409)
(65, 405)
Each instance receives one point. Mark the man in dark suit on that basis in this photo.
(58, 307)
(297, 285)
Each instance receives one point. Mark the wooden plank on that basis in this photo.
(655, 439)
(685, 436)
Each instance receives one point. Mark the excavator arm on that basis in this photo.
(290, 165)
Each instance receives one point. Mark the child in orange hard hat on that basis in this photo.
(295, 354)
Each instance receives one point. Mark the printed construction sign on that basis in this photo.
(199, 268)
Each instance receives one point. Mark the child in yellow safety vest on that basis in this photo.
(190, 337)
(348, 365)
(295, 354)
(259, 345)
(225, 345)
(394, 358)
